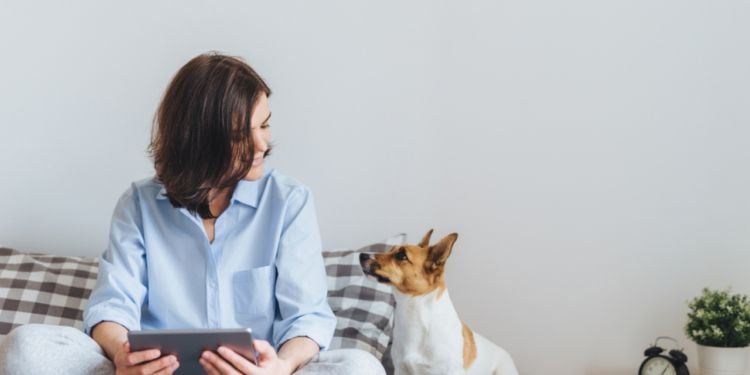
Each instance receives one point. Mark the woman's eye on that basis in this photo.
(264, 126)
(401, 255)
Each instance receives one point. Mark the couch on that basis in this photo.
(53, 289)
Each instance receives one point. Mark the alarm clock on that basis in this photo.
(656, 363)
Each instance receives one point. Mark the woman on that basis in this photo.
(211, 241)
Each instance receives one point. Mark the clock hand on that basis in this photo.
(665, 369)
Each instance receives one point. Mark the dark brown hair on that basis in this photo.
(201, 137)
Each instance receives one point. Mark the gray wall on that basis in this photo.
(592, 155)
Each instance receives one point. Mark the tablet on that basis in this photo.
(188, 345)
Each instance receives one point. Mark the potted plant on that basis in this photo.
(719, 322)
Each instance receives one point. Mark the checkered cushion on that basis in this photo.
(40, 288)
(363, 306)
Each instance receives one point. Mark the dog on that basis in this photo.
(428, 336)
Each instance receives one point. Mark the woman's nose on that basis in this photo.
(259, 142)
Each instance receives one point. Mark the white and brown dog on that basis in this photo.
(428, 336)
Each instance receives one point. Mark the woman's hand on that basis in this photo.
(143, 362)
(227, 362)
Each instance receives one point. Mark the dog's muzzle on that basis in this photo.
(369, 266)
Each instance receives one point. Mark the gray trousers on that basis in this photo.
(42, 349)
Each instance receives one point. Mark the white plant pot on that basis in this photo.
(722, 361)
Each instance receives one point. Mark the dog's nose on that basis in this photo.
(363, 257)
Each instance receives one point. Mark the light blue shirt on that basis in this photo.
(264, 270)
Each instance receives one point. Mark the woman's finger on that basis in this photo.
(168, 370)
(159, 364)
(265, 349)
(223, 366)
(135, 358)
(239, 362)
(210, 369)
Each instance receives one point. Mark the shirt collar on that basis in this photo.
(246, 192)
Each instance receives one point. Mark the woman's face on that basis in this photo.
(261, 136)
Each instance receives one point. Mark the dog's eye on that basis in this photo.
(401, 255)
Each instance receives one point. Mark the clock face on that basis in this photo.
(657, 366)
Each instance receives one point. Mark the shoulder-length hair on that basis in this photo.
(201, 137)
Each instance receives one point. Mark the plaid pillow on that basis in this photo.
(41, 288)
(363, 307)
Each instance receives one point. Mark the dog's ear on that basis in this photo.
(440, 252)
(426, 239)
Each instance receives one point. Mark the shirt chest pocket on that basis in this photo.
(253, 292)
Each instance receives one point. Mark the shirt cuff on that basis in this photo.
(108, 313)
(318, 330)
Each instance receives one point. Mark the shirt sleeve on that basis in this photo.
(121, 284)
(301, 287)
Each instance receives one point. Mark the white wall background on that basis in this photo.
(592, 155)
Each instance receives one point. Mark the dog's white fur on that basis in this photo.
(428, 339)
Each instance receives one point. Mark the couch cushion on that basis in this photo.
(363, 306)
(41, 288)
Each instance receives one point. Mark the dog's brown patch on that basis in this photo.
(415, 270)
(470, 347)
